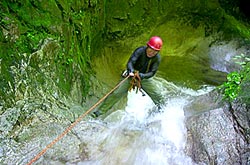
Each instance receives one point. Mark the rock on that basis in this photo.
(219, 135)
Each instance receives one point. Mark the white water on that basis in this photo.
(133, 137)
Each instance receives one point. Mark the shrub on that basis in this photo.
(236, 80)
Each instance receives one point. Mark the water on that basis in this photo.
(133, 135)
(222, 57)
(137, 136)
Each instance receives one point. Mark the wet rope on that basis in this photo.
(74, 124)
(136, 83)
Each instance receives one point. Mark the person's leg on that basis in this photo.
(114, 97)
(154, 93)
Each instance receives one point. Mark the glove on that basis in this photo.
(125, 73)
(131, 74)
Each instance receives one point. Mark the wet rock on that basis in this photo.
(225, 55)
(203, 103)
(219, 135)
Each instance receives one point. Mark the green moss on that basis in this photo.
(234, 28)
(244, 93)
(80, 27)
(73, 24)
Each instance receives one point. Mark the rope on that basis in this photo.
(136, 83)
(74, 124)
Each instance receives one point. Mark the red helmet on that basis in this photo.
(155, 43)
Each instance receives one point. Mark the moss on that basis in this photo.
(131, 18)
(233, 28)
(244, 93)
(25, 25)
(81, 27)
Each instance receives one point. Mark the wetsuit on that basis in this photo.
(147, 67)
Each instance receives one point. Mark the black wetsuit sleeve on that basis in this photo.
(133, 58)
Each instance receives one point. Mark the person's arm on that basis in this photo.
(132, 60)
(152, 70)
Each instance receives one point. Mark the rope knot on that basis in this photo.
(136, 83)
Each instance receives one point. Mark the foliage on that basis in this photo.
(242, 60)
(244, 94)
(232, 88)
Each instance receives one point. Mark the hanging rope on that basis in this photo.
(136, 83)
(74, 124)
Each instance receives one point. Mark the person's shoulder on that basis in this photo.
(158, 56)
(141, 48)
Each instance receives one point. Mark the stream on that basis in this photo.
(138, 135)
(133, 135)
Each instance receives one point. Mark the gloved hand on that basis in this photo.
(136, 75)
(131, 74)
(125, 73)
(136, 81)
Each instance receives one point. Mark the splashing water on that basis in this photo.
(132, 136)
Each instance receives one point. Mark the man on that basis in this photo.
(145, 60)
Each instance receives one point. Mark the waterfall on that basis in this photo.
(135, 134)
(138, 135)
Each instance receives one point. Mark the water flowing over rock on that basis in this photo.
(56, 46)
(223, 55)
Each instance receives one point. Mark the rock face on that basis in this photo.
(217, 133)
(220, 135)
